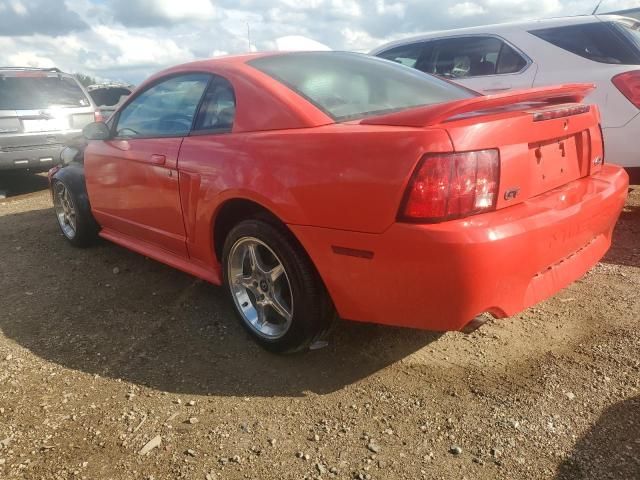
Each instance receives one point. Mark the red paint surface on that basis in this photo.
(342, 185)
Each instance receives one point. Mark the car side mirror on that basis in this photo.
(96, 131)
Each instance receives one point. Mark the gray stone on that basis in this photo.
(455, 450)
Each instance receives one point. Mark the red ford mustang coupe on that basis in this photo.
(321, 185)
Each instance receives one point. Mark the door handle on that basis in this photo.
(158, 159)
(498, 88)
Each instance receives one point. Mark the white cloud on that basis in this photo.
(130, 39)
(30, 59)
(466, 9)
(384, 7)
(18, 8)
(136, 50)
(182, 9)
(298, 42)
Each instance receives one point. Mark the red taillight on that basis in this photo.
(98, 116)
(453, 185)
(629, 84)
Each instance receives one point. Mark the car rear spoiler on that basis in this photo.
(435, 114)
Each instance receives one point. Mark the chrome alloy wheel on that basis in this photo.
(65, 209)
(260, 288)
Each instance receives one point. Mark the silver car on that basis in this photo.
(40, 111)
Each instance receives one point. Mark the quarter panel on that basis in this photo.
(344, 176)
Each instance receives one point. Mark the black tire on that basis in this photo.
(85, 231)
(313, 313)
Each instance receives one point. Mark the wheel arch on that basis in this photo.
(234, 210)
(86, 228)
(72, 176)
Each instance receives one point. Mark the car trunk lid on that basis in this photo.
(544, 137)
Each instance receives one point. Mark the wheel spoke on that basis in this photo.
(280, 308)
(275, 273)
(253, 257)
(262, 314)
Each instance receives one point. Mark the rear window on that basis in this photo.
(631, 30)
(600, 42)
(37, 92)
(350, 85)
(109, 97)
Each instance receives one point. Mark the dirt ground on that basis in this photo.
(103, 351)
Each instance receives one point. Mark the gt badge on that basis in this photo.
(512, 193)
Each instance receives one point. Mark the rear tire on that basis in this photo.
(74, 216)
(276, 291)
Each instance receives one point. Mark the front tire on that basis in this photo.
(277, 293)
(74, 216)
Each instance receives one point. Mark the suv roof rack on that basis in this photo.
(36, 69)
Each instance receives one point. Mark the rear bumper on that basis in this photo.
(440, 277)
(30, 158)
(40, 157)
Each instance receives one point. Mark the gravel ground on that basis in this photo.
(113, 366)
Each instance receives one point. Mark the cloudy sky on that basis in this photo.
(130, 39)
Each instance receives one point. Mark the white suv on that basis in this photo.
(603, 49)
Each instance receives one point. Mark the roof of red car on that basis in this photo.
(237, 59)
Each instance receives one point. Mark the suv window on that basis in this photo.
(218, 109)
(35, 90)
(472, 56)
(407, 55)
(631, 30)
(599, 42)
(109, 96)
(164, 110)
(351, 85)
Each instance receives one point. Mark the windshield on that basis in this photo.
(350, 85)
(30, 93)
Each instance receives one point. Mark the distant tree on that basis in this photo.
(85, 80)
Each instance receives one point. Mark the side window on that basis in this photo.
(464, 57)
(164, 110)
(218, 109)
(407, 55)
(509, 61)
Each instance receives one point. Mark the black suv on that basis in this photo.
(40, 111)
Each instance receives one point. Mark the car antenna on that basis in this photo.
(597, 7)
